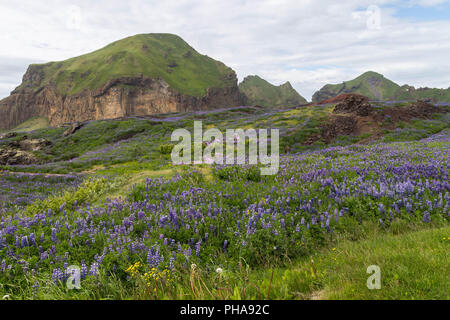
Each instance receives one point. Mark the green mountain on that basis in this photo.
(370, 84)
(166, 56)
(377, 87)
(257, 91)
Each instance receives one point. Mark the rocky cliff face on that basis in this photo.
(117, 98)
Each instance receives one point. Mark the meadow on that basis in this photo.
(140, 228)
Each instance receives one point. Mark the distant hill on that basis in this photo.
(257, 91)
(369, 84)
(377, 87)
(410, 93)
(142, 74)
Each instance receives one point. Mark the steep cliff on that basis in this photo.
(140, 75)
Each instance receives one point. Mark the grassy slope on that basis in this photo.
(153, 55)
(109, 143)
(32, 124)
(384, 90)
(438, 95)
(413, 266)
(260, 92)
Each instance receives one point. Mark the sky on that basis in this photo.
(307, 42)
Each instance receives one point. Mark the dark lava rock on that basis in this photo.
(354, 103)
(423, 109)
(339, 125)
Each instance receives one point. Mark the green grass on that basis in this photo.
(417, 129)
(152, 55)
(258, 91)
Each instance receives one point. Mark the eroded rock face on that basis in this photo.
(423, 109)
(117, 98)
(355, 104)
(337, 126)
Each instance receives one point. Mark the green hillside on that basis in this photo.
(153, 55)
(410, 93)
(370, 84)
(377, 87)
(257, 91)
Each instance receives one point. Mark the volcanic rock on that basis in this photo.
(354, 103)
(337, 126)
(423, 109)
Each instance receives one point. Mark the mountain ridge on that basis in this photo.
(257, 91)
(377, 87)
(138, 75)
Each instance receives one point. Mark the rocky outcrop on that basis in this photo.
(30, 144)
(13, 156)
(338, 126)
(354, 103)
(20, 152)
(120, 97)
(73, 127)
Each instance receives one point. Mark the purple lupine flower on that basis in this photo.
(84, 269)
(225, 245)
(53, 236)
(57, 275)
(24, 241)
(44, 256)
(93, 270)
(197, 248)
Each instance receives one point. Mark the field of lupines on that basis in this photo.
(222, 218)
(111, 143)
(17, 190)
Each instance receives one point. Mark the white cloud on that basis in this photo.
(309, 43)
